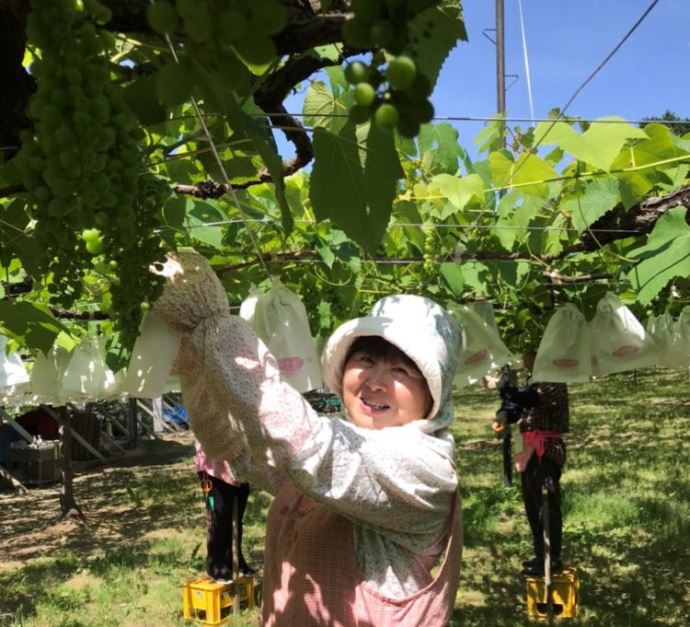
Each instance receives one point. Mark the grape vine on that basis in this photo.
(397, 96)
(220, 35)
(83, 166)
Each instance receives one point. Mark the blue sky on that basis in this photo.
(565, 42)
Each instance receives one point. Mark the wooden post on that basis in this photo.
(68, 505)
(7, 476)
(132, 423)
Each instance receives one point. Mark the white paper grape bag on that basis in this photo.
(84, 377)
(619, 341)
(680, 348)
(152, 358)
(13, 375)
(664, 331)
(47, 374)
(564, 354)
(279, 318)
(485, 310)
(12, 370)
(482, 351)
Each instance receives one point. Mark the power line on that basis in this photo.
(489, 118)
(608, 57)
(507, 227)
(526, 58)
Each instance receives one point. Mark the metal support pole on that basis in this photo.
(547, 550)
(235, 539)
(507, 446)
(500, 58)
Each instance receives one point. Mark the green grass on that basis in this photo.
(626, 490)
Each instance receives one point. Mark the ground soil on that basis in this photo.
(31, 525)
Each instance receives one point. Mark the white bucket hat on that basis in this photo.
(421, 329)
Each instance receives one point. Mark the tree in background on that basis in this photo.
(680, 126)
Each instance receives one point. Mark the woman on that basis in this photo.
(365, 505)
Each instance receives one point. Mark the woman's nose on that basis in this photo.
(377, 377)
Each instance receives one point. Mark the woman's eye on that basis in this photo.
(401, 370)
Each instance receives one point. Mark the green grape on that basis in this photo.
(232, 24)
(162, 17)
(357, 32)
(386, 116)
(95, 247)
(42, 193)
(186, 7)
(423, 111)
(107, 40)
(174, 84)
(58, 207)
(268, 17)
(102, 14)
(382, 33)
(420, 88)
(407, 127)
(82, 166)
(364, 94)
(360, 115)
(198, 25)
(367, 10)
(256, 50)
(102, 219)
(394, 5)
(357, 72)
(401, 72)
(90, 235)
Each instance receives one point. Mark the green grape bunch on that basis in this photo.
(82, 162)
(220, 34)
(395, 96)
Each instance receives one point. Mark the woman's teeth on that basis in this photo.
(377, 406)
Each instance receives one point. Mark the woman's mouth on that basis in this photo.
(375, 406)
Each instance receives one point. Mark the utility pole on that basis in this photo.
(500, 58)
(501, 109)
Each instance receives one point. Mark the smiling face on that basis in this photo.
(382, 387)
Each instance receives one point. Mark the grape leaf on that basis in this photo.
(354, 180)
(453, 276)
(477, 276)
(319, 107)
(458, 190)
(515, 209)
(436, 31)
(600, 196)
(32, 324)
(529, 172)
(264, 143)
(142, 99)
(598, 145)
(199, 214)
(666, 255)
(438, 144)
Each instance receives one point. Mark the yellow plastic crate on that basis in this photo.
(565, 595)
(208, 602)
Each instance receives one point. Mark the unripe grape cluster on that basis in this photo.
(218, 31)
(82, 163)
(395, 96)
